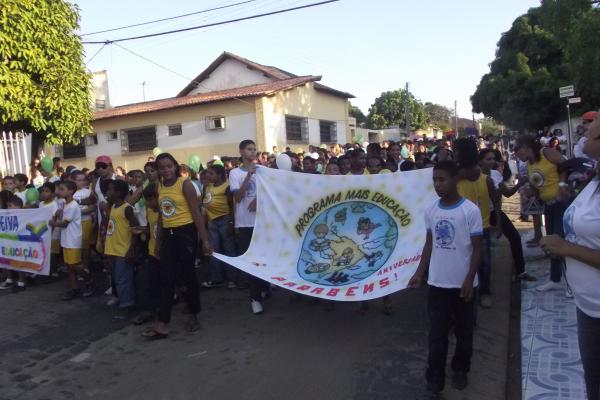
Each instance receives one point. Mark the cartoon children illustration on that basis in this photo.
(320, 244)
(366, 227)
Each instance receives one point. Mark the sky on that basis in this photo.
(364, 47)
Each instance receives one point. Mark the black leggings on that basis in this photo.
(514, 239)
(177, 259)
(588, 332)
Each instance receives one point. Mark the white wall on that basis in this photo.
(100, 85)
(194, 134)
(231, 74)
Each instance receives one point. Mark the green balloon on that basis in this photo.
(194, 162)
(32, 195)
(47, 164)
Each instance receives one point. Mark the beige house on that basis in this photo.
(231, 100)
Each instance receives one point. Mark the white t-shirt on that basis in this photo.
(452, 229)
(70, 237)
(53, 205)
(581, 222)
(22, 195)
(578, 148)
(243, 217)
(83, 194)
(100, 195)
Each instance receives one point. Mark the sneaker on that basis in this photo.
(7, 284)
(112, 302)
(88, 290)
(550, 285)
(257, 308)
(71, 294)
(108, 291)
(18, 287)
(459, 380)
(486, 301)
(231, 285)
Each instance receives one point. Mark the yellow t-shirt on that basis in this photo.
(215, 201)
(118, 232)
(544, 176)
(173, 205)
(477, 192)
(152, 217)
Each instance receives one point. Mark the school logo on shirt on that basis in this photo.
(570, 235)
(208, 197)
(167, 207)
(444, 233)
(110, 227)
(537, 179)
(346, 242)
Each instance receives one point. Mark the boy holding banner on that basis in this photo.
(450, 256)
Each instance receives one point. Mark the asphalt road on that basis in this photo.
(55, 350)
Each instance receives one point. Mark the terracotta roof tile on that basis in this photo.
(201, 98)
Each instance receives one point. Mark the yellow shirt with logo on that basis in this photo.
(152, 217)
(477, 192)
(215, 201)
(544, 176)
(118, 232)
(173, 206)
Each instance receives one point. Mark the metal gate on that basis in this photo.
(14, 154)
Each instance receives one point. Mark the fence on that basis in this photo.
(14, 154)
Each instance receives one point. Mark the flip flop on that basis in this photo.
(153, 334)
(192, 326)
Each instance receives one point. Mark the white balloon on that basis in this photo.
(284, 162)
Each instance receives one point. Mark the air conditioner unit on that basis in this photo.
(215, 123)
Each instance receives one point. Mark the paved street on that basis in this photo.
(57, 350)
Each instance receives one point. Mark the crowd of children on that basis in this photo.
(145, 225)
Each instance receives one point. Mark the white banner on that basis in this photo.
(25, 240)
(345, 238)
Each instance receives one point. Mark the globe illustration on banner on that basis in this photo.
(347, 243)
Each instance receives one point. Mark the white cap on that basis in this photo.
(314, 156)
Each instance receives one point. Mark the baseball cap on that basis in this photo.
(589, 116)
(104, 160)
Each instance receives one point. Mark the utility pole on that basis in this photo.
(407, 115)
(456, 118)
(143, 90)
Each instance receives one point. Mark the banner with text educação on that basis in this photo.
(344, 238)
(25, 239)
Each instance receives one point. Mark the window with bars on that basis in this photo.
(296, 129)
(175, 130)
(112, 136)
(70, 150)
(138, 139)
(327, 130)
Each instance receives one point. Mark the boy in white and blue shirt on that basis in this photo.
(451, 256)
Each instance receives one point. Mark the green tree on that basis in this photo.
(390, 109)
(357, 113)
(44, 86)
(438, 115)
(489, 127)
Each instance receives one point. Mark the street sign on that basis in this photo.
(566, 91)
(574, 100)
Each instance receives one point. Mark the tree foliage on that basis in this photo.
(489, 127)
(390, 109)
(438, 115)
(357, 113)
(44, 86)
(551, 46)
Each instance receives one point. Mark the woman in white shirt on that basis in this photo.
(581, 248)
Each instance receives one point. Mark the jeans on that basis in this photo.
(257, 285)
(149, 277)
(444, 306)
(177, 258)
(123, 281)
(514, 239)
(485, 268)
(588, 333)
(222, 240)
(553, 214)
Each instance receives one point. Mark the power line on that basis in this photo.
(169, 18)
(95, 54)
(213, 24)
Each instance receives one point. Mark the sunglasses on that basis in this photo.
(101, 166)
